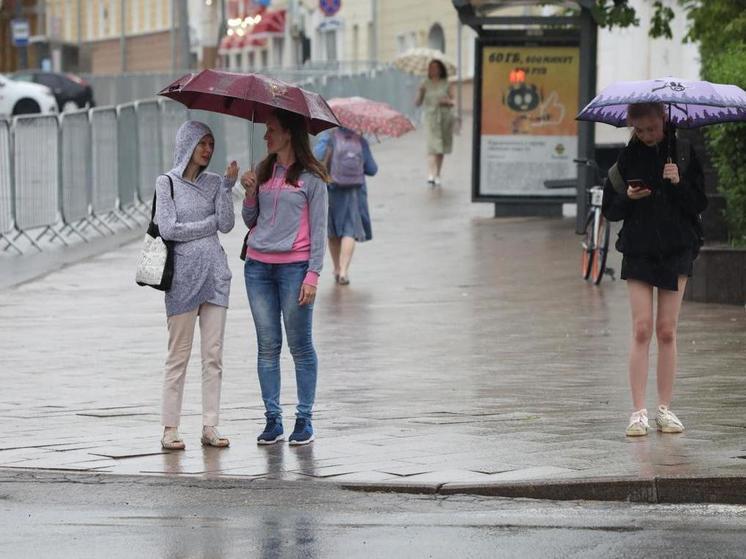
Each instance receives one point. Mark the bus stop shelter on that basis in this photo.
(535, 68)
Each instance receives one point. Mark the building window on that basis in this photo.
(356, 42)
(278, 46)
(159, 17)
(135, 15)
(69, 20)
(330, 44)
(103, 18)
(371, 42)
(89, 20)
(436, 38)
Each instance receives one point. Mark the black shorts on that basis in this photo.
(659, 271)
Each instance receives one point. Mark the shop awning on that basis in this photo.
(270, 24)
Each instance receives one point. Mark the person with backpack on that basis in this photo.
(656, 189)
(192, 205)
(348, 158)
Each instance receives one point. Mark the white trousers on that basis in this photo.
(180, 337)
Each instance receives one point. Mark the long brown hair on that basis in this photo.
(304, 159)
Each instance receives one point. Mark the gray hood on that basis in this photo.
(187, 138)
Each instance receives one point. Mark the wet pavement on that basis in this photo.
(465, 350)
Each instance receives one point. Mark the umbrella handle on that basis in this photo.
(251, 143)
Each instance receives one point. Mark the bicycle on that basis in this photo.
(597, 231)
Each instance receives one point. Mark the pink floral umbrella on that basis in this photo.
(370, 117)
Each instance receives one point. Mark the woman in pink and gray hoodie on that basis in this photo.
(285, 209)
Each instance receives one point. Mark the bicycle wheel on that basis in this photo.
(586, 258)
(601, 251)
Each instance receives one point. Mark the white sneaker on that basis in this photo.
(667, 422)
(638, 424)
(437, 181)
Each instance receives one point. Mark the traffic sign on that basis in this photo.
(20, 32)
(330, 7)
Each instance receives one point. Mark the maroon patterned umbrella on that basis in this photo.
(249, 96)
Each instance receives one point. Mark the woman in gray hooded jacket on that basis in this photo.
(201, 206)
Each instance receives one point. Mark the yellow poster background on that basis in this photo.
(530, 90)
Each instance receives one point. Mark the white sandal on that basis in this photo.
(211, 437)
(172, 441)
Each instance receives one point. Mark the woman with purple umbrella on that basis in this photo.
(285, 210)
(657, 191)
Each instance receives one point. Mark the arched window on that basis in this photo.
(436, 39)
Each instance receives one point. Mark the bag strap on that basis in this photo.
(171, 183)
(616, 179)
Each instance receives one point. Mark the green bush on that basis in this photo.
(727, 142)
(720, 28)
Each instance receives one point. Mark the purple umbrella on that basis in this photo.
(691, 104)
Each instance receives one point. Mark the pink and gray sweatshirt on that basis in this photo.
(287, 223)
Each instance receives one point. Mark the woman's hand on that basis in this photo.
(671, 172)
(307, 294)
(638, 192)
(231, 172)
(248, 181)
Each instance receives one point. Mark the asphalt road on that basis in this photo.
(82, 515)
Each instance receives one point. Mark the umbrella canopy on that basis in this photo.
(415, 61)
(691, 103)
(370, 117)
(249, 96)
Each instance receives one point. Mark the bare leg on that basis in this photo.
(666, 323)
(335, 244)
(438, 164)
(345, 257)
(641, 305)
(432, 166)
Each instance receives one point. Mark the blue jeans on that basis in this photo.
(273, 291)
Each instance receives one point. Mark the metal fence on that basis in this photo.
(133, 86)
(89, 172)
(6, 181)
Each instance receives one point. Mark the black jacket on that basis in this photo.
(666, 222)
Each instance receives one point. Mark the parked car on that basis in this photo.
(17, 98)
(72, 92)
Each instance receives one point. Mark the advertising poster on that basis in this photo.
(528, 132)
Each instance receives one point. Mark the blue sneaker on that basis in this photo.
(302, 433)
(272, 432)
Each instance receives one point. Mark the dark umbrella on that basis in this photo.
(249, 96)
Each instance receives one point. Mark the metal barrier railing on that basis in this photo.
(105, 164)
(173, 114)
(148, 147)
(75, 145)
(127, 154)
(6, 184)
(36, 170)
(95, 169)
